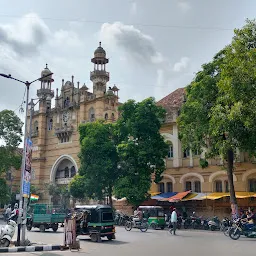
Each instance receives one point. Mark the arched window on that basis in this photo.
(66, 102)
(36, 126)
(106, 116)
(170, 153)
(113, 116)
(50, 124)
(161, 187)
(91, 114)
(252, 185)
(73, 171)
(169, 187)
(218, 186)
(66, 172)
(186, 153)
(197, 186)
(226, 185)
(188, 185)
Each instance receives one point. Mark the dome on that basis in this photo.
(68, 83)
(46, 72)
(100, 50)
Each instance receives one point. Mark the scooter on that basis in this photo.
(214, 224)
(7, 232)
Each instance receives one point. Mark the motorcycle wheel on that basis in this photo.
(153, 226)
(234, 233)
(226, 231)
(29, 227)
(213, 228)
(128, 226)
(4, 242)
(143, 227)
(206, 227)
(186, 225)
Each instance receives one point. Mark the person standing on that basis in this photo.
(174, 220)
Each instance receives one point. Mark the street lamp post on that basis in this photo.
(22, 209)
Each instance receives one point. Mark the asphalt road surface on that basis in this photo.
(151, 243)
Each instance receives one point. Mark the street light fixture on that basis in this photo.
(23, 209)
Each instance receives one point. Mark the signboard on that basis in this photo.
(27, 171)
(33, 174)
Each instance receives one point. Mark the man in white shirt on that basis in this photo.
(174, 219)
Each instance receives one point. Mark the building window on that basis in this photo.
(170, 153)
(186, 153)
(252, 185)
(169, 187)
(64, 139)
(161, 187)
(113, 116)
(66, 102)
(106, 116)
(188, 185)
(197, 186)
(66, 172)
(197, 152)
(73, 171)
(91, 114)
(218, 186)
(226, 185)
(50, 124)
(36, 126)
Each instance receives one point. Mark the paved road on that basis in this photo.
(151, 243)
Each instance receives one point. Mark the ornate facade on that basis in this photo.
(55, 129)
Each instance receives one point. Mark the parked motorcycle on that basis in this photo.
(214, 223)
(226, 224)
(7, 232)
(240, 228)
(204, 224)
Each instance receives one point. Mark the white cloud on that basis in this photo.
(184, 5)
(182, 64)
(133, 9)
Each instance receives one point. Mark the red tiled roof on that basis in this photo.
(173, 100)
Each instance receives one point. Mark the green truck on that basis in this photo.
(45, 216)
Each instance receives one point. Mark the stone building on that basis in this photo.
(183, 171)
(55, 132)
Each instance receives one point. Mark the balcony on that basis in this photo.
(62, 181)
(99, 73)
(64, 131)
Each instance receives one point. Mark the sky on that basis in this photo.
(154, 47)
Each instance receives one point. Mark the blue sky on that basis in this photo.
(154, 47)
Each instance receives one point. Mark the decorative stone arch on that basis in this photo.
(169, 177)
(168, 137)
(219, 173)
(56, 164)
(191, 174)
(247, 174)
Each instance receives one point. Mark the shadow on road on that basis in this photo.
(103, 241)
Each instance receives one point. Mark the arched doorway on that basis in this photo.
(63, 170)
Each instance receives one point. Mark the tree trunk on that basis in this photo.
(110, 197)
(233, 201)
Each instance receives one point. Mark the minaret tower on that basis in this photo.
(99, 76)
(45, 93)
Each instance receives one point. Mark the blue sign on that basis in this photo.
(27, 170)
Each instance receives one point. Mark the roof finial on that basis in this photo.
(100, 44)
(46, 66)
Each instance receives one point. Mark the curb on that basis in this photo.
(32, 248)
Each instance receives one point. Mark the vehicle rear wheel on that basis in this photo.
(162, 227)
(186, 225)
(94, 238)
(153, 225)
(144, 227)
(110, 237)
(55, 227)
(4, 242)
(226, 231)
(42, 228)
(128, 226)
(213, 228)
(29, 227)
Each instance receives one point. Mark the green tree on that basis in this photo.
(141, 149)
(59, 193)
(99, 162)
(219, 113)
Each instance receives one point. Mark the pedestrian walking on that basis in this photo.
(174, 220)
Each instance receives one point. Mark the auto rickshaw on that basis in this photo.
(96, 221)
(155, 216)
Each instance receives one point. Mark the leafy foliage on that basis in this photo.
(122, 157)
(4, 191)
(220, 110)
(60, 194)
(141, 149)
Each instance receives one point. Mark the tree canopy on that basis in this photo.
(220, 111)
(120, 158)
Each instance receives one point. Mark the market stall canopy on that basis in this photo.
(194, 196)
(154, 193)
(178, 197)
(218, 195)
(164, 196)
